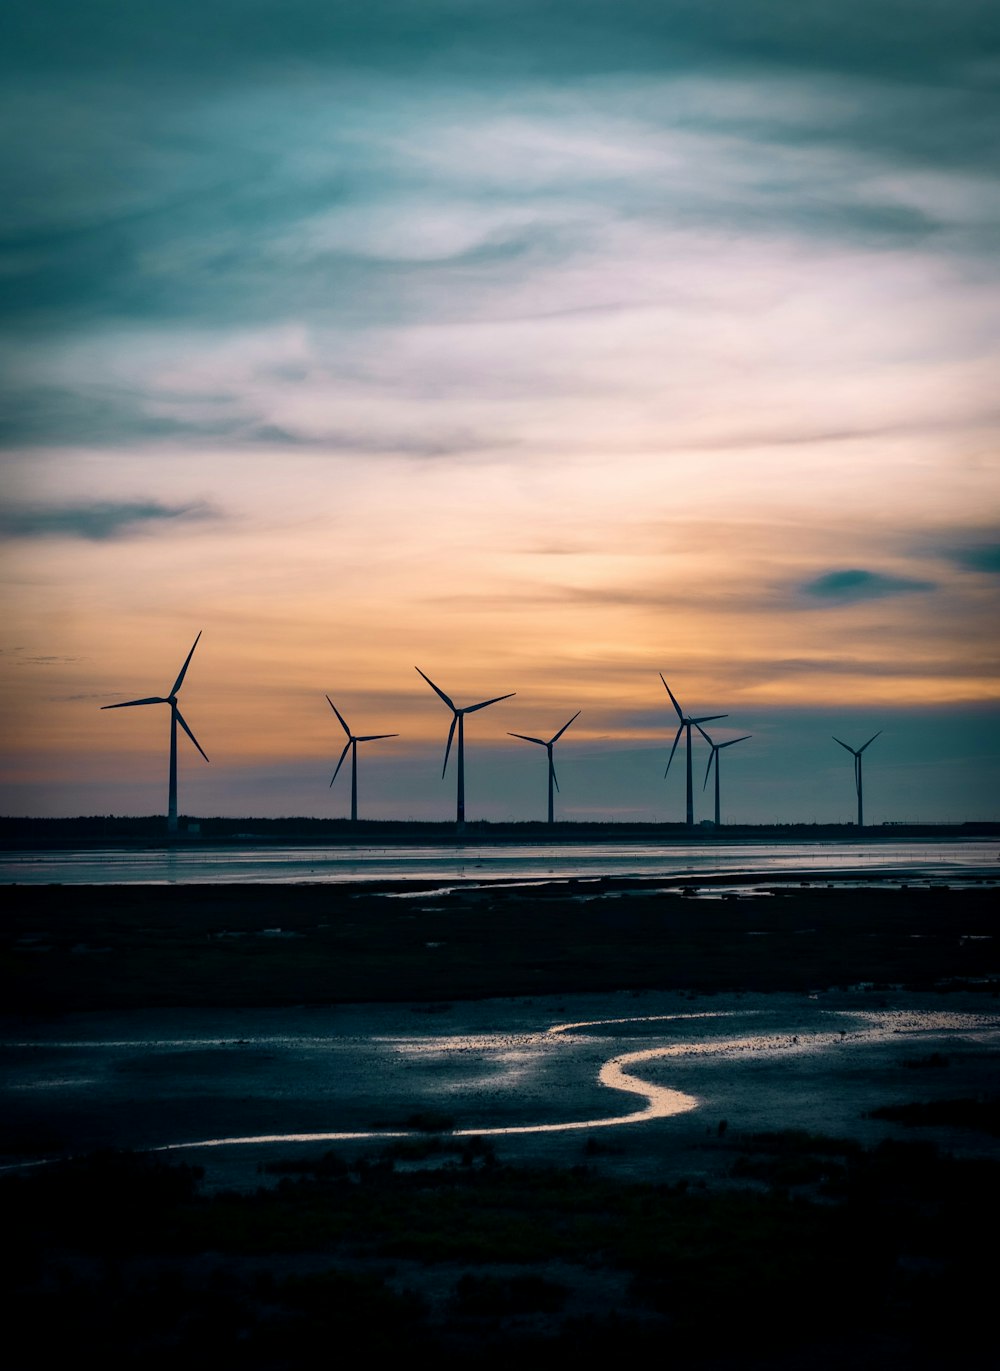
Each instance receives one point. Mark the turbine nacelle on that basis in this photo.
(352, 743)
(548, 746)
(170, 699)
(686, 722)
(457, 713)
(716, 749)
(856, 754)
(176, 717)
(458, 721)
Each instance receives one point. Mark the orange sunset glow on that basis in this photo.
(545, 377)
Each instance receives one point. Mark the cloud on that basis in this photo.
(981, 557)
(47, 661)
(562, 36)
(849, 585)
(390, 443)
(57, 415)
(381, 174)
(42, 415)
(97, 521)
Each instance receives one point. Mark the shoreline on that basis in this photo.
(97, 833)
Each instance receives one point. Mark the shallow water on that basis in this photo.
(957, 859)
(538, 1074)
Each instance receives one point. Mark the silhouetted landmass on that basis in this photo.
(97, 830)
(127, 946)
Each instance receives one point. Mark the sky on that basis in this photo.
(547, 346)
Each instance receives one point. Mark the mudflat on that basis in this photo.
(139, 947)
(577, 1119)
(149, 1017)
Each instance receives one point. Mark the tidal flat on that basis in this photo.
(443, 1166)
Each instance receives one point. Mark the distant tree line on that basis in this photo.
(28, 831)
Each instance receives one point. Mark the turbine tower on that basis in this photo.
(857, 774)
(176, 717)
(716, 749)
(548, 747)
(352, 746)
(685, 724)
(458, 717)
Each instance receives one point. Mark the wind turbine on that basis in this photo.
(458, 717)
(548, 747)
(716, 749)
(857, 773)
(352, 746)
(176, 717)
(685, 723)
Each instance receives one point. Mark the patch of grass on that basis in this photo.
(788, 1170)
(187, 1275)
(468, 1150)
(356, 1299)
(980, 1115)
(934, 1061)
(430, 1121)
(797, 1142)
(502, 1295)
(423, 1121)
(330, 1164)
(597, 1147)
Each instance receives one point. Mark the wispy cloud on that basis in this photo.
(839, 587)
(97, 521)
(47, 661)
(978, 557)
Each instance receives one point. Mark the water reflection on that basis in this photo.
(470, 865)
(659, 1102)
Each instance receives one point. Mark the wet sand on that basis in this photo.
(156, 1017)
(525, 1072)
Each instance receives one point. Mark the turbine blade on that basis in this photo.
(526, 738)
(552, 768)
(149, 700)
(566, 725)
(374, 737)
(735, 740)
(471, 709)
(437, 689)
(702, 732)
(680, 713)
(869, 742)
(844, 745)
(347, 748)
(180, 720)
(707, 718)
(183, 671)
(713, 756)
(451, 734)
(677, 738)
(343, 722)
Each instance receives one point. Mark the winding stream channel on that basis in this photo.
(533, 1073)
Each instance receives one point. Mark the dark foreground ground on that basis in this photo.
(799, 1250)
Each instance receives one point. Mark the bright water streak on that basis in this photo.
(257, 864)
